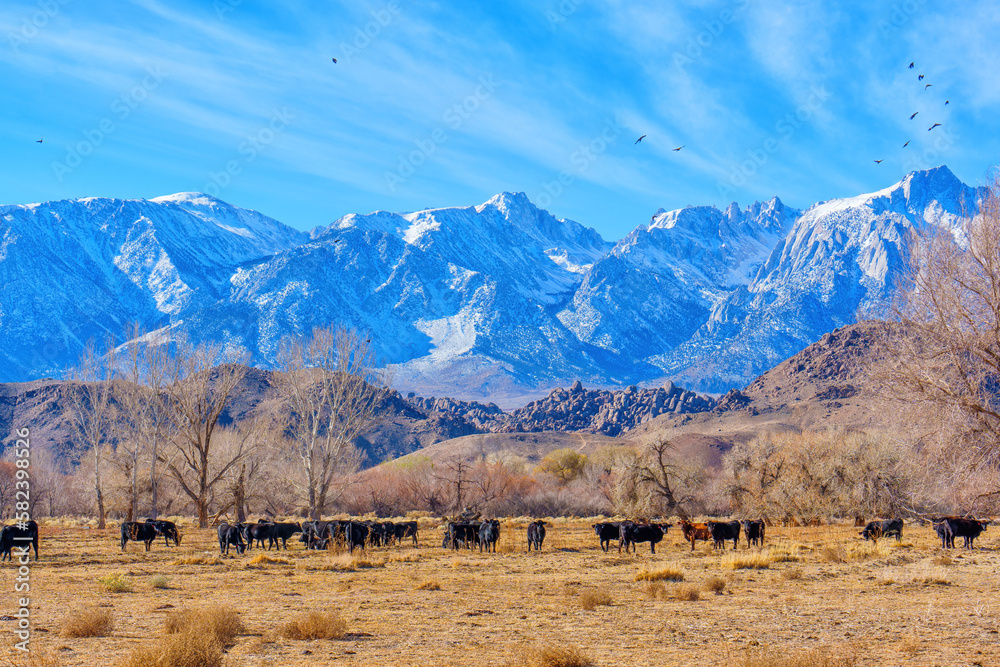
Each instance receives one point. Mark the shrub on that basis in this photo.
(89, 622)
(792, 574)
(429, 585)
(265, 557)
(554, 656)
(200, 559)
(669, 572)
(656, 591)
(771, 657)
(756, 560)
(315, 625)
(186, 649)
(715, 585)
(115, 583)
(687, 593)
(159, 581)
(222, 624)
(590, 600)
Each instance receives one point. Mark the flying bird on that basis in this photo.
(906, 144)
(878, 161)
(679, 147)
(38, 141)
(640, 139)
(911, 65)
(920, 77)
(928, 86)
(914, 115)
(933, 126)
(334, 61)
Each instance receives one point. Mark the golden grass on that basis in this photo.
(687, 593)
(222, 624)
(159, 581)
(198, 559)
(553, 656)
(266, 558)
(669, 572)
(347, 562)
(315, 625)
(186, 649)
(592, 599)
(770, 657)
(715, 585)
(747, 560)
(115, 583)
(839, 552)
(792, 574)
(88, 622)
(429, 585)
(785, 553)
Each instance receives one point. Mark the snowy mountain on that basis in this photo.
(495, 300)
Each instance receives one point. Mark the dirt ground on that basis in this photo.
(821, 591)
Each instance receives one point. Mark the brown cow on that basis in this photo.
(695, 531)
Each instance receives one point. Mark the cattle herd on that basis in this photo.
(468, 533)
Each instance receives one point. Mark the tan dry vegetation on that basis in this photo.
(88, 622)
(490, 606)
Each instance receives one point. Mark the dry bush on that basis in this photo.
(264, 557)
(669, 572)
(159, 581)
(755, 560)
(315, 625)
(656, 591)
(909, 644)
(429, 585)
(786, 553)
(792, 574)
(186, 649)
(715, 585)
(687, 593)
(199, 559)
(37, 657)
(773, 657)
(592, 599)
(552, 656)
(943, 560)
(88, 622)
(115, 583)
(222, 624)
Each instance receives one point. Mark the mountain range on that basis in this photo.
(498, 301)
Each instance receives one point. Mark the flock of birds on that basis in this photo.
(920, 77)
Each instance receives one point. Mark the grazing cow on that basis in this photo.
(356, 534)
(258, 532)
(230, 536)
(138, 532)
(316, 534)
(695, 531)
(943, 529)
(489, 533)
(15, 537)
(968, 529)
(753, 531)
(282, 531)
(876, 529)
(722, 531)
(632, 533)
(168, 529)
(608, 531)
(405, 529)
(536, 535)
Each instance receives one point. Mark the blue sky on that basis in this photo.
(447, 103)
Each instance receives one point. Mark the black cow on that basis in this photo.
(405, 529)
(258, 532)
(608, 531)
(316, 534)
(466, 532)
(356, 535)
(633, 532)
(230, 536)
(536, 535)
(968, 529)
(753, 531)
(943, 529)
(14, 537)
(489, 533)
(722, 531)
(876, 529)
(168, 529)
(282, 531)
(138, 532)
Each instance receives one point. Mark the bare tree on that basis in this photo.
(247, 445)
(669, 480)
(457, 472)
(201, 386)
(91, 410)
(333, 391)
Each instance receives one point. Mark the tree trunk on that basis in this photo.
(239, 497)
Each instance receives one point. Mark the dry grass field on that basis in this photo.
(812, 597)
